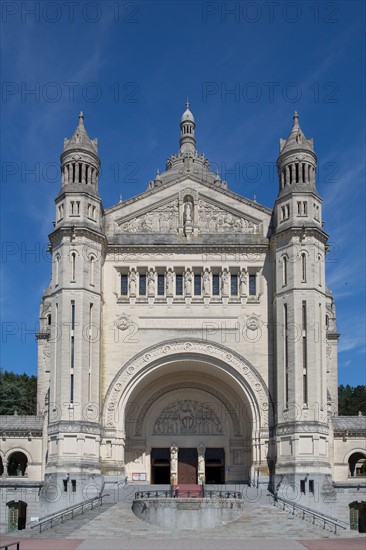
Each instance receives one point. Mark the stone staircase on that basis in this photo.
(259, 520)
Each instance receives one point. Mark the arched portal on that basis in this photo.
(17, 464)
(187, 402)
(357, 464)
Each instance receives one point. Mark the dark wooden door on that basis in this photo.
(187, 466)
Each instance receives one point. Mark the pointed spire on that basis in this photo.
(187, 125)
(80, 139)
(296, 138)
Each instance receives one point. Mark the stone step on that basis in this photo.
(257, 521)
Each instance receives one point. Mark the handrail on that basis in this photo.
(155, 494)
(71, 509)
(224, 494)
(8, 544)
(179, 493)
(312, 513)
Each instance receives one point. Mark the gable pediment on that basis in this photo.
(165, 211)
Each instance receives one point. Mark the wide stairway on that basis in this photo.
(259, 520)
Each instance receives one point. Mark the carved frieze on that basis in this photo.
(207, 217)
(188, 417)
(161, 220)
(302, 427)
(182, 385)
(212, 219)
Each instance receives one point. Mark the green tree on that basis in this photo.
(18, 392)
(351, 400)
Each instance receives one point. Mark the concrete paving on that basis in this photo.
(189, 544)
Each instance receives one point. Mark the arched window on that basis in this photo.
(57, 269)
(320, 270)
(284, 270)
(73, 265)
(92, 269)
(303, 267)
(17, 464)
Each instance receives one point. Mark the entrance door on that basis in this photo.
(17, 515)
(215, 465)
(13, 518)
(160, 466)
(187, 466)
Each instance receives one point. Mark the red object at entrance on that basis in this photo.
(187, 466)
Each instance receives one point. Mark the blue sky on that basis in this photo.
(246, 66)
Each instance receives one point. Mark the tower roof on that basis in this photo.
(187, 115)
(296, 139)
(80, 139)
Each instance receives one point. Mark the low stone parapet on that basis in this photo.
(188, 513)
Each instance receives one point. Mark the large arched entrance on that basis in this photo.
(188, 412)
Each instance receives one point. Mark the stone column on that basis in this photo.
(173, 464)
(76, 172)
(300, 172)
(83, 167)
(201, 463)
(287, 179)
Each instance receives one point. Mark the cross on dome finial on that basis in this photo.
(187, 103)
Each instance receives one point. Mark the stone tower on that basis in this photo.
(75, 294)
(300, 300)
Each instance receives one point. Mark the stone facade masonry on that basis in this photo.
(186, 317)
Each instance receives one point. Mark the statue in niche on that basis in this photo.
(151, 283)
(133, 284)
(201, 463)
(243, 282)
(188, 212)
(173, 464)
(225, 283)
(173, 458)
(188, 283)
(169, 283)
(206, 283)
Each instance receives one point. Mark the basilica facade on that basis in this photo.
(187, 335)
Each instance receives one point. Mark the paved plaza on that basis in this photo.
(128, 543)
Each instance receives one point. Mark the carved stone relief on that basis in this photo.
(212, 219)
(164, 220)
(180, 386)
(188, 417)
